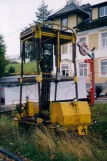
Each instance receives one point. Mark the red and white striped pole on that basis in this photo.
(83, 48)
(92, 88)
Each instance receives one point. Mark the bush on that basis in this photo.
(9, 71)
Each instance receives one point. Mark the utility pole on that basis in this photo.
(83, 48)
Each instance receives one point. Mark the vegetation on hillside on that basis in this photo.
(29, 68)
(9, 71)
(3, 61)
(41, 144)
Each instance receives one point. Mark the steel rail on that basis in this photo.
(10, 155)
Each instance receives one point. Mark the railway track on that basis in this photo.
(8, 156)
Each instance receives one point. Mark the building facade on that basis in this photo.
(90, 22)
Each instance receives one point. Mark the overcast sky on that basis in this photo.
(17, 14)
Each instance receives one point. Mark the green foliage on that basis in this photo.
(99, 126)
(11, 70)
(78, 2)
(41, 15)
(3, 61)
(29, 67)
(42, 144)
(43, 12)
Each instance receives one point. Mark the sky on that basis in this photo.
(17, 14)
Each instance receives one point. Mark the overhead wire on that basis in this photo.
(13, 33)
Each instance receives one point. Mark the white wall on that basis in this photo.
(100, 53)
(12, 95)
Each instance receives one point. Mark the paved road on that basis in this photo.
(102, 101)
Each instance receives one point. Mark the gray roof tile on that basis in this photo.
(67, 9)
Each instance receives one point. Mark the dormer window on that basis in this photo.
(64, 22)
(103, 11)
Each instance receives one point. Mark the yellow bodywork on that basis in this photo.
(38, 78)
(32, 109)
(73, 114)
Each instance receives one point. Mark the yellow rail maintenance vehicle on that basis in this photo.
(72, 114)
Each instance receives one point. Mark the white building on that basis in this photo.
(91, 25)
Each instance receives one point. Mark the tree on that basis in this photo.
(11, 70)
(78, 2)
(43, 12)
(3, 61)
(41, 16)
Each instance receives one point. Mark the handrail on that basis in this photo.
(13, 104)
(51, 23)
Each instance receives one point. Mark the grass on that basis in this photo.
(99, 117)
(28, 67)
(42, 144)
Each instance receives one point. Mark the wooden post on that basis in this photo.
(22, 50)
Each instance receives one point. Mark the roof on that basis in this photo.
(99, 4)
(89, 21)
(87, 7)
(71, 8)
(86, 21)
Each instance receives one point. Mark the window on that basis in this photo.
(82, 40)
(64, 22)
(65, 70)
(64, 49)
(104, 67)
(82, 69)
(103, 11)
(104, 39)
